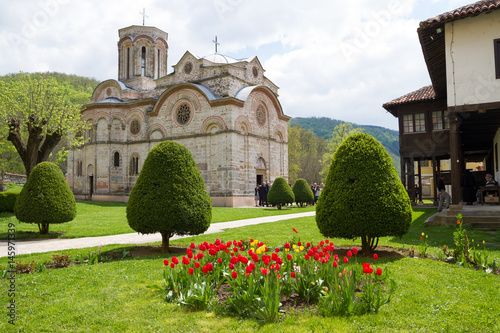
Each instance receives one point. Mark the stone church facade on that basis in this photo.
(225, 111)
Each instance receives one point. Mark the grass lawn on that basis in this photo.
(432, 296)
(109, 218)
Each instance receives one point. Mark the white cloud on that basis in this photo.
(335, 59)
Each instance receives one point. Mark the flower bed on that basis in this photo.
(259, 279)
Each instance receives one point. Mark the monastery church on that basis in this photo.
(225, 111)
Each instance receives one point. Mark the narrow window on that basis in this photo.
(420, 122)
(446, 120)
(437, 120)
(143, 62)
(116, 159)
(158, 64)
(134, 166)
(496, 46)
(408, 123)
(128, 62)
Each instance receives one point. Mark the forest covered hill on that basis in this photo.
(323, 127)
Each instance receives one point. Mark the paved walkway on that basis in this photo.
(50, 245)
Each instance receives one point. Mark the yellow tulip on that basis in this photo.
(423, 234)
(301, 248)
(294, 246)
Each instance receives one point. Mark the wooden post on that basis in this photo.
(455, 159)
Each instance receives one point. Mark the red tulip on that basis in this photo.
(175, 260)
(379, 271)
(295, 231)
(193, 246)
(335, 264)
(165, 262)
(346, 260)
(349, 253)
(197, 264)
(292, 275)
(191, 270)
(219, 260)
(375, 256)
(234, 275)
(289, 256)
(287, 245)
(231, 266)
(172, 265)
(355, 250)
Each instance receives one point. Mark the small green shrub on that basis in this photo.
(280, 193)
(45, 198)
(170, 195)
(8, 201)
(302, 191)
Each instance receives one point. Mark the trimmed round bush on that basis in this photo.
(8, 201)
(363, 196)
(302, 191)
(169, 196)
(45, 198)
(280, 193)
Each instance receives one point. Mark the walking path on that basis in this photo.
(49, 245)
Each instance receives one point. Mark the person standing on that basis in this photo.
(443, 195)
(263, 195)
(257, 196)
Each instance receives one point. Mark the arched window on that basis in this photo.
(143, 61)
(116, 159)
(134, 166)
(158, 64)
(128, 62)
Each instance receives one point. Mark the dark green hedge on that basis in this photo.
(280, 193)
(302, 191)
(46, 197)
(169, 196)
(8, 201)
(363, 195)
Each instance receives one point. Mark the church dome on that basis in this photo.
(218, 58)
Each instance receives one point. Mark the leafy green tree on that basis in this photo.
(38, 113)
(304, 154)
(45, 198)
(169, 196)
(294, 150)
(302, 191)
(340, 133)
(280, 193)
(363, 196)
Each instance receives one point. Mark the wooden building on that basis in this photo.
(457, 118)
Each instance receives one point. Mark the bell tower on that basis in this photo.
(142, 52)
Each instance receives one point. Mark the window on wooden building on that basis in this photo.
(420, 122)
(414, 123)
(440, 120)
(408, 123)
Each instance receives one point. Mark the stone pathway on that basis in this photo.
(49, 245)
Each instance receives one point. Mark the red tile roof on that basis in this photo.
(470, 10)
(424, 94)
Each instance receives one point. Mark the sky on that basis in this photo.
(336, 59)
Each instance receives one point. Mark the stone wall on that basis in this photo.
(11, 178)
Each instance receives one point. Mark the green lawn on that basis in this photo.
(108, 218)
(432, 296)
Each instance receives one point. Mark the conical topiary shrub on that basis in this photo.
(280, 193)
(302, 191)
(45, 198)
(169, 196)
(363, 196)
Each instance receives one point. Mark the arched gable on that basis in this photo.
(108, 88)
(178, 90)
(249, 91)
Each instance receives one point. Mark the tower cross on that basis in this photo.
(216, 43)
(143, 15)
